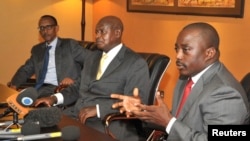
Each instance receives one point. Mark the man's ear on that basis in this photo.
(210, 53)
(118, 33)
(57, 28)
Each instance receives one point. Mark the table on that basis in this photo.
(87, 133)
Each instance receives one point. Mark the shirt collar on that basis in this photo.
(53, 43)
(197, 76)
(114, 50)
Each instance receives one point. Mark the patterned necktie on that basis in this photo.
(187, 90)
(44, 69)
(101, 69)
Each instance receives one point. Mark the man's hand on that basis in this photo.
(127, 103)
(48, 101)
(87, 112)
(66, 81)
(158, 114)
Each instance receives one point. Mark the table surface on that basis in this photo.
(87, 133)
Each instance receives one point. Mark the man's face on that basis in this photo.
(48, 29)
(106, 37)
(190, 49)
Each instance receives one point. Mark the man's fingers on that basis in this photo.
(159, 99)
(136, 92)
(122, 110)
(117, 104)
(117, 96)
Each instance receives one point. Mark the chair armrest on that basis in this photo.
(31, 82)
(118, 116)
(112, 117)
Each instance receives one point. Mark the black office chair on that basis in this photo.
(158, 64)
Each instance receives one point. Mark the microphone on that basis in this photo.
(20, 102)
(70, 133)
(30, 128)
(67, 133)
(45, 116)
(27, 97)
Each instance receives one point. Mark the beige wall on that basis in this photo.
(157, 32)
(143, 32)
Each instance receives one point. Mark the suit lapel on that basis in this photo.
(115, 62)
(193, 96)
(197, 90)
(41, 56)
(178, 92)
(95, 64)
(58, 57)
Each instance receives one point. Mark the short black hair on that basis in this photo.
(51, 17)
(208, 31)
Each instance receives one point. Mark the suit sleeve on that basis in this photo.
(24, 72)
(78, 52)
(224, 106)
(137, 76)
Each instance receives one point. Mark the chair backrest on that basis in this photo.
(157, 63)
(245, 82)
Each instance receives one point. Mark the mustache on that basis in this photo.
(179, 63)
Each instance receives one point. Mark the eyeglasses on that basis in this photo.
(47, 27)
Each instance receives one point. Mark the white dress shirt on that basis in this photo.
(51, 77)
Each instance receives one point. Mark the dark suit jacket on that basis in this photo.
(68, 59)
(217, 98)
(126, 71)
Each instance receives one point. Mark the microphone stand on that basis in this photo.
(15, 118)
(15, 121)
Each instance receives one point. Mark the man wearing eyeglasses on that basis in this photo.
(54, 62)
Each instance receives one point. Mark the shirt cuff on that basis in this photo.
(170, 124)
(59, 98)
(98, 110)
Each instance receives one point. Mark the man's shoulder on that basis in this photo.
(131, 53)
(38, 45)
(66, 40)
(133, 56)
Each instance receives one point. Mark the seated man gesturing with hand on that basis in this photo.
(215, 98)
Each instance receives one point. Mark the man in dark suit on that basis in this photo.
(64, 64)
(122, 71)
(216, 97)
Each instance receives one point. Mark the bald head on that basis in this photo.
(114, 22)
